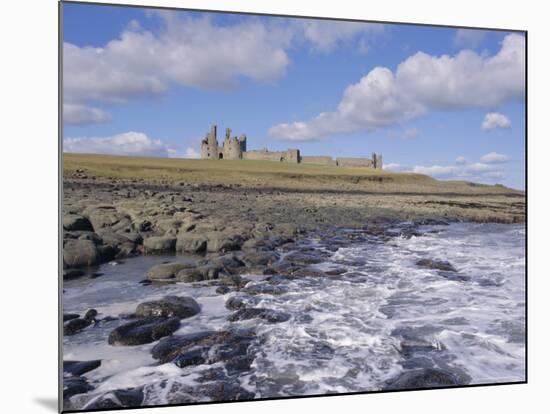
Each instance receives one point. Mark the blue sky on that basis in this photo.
(442, 101)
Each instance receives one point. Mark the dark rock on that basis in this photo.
(69, 274)
(75, 385)
(132, 397)
(167, 349)
(180, 306)
(69, 316)
(75, 325)
(425, 378)
(265, 289)
(255, 258)
(303, 258)
(222, 290)
(436, 264)
(268, 315)
(235, 302)
(144, 331)
(192, 357)
(77, 368)
(76, 222)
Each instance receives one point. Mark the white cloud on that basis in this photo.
(421, 83)
(186, 51)
(192, 153)
(460, 160)
(127, 143)
(487, 170)
(325, 35)
(469, 37)
(75, 114)
(494, 158)
(495, 120)
(392, 166)
(435, 170)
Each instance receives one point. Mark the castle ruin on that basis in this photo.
(234, 148)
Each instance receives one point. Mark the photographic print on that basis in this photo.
(258, 206)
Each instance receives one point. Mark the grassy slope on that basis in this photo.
(269, 174)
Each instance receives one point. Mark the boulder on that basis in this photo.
(75, 385)
(81, 253)
(223, 241)
(144, 331)
(436, 264)
(159, 244)
(191, 243)
(167, 349)
(76, 222)
(169, 306)
(77, 368)
(167, 271)
(268, 315)
(426, 378)
(198, 274)
(132, 397)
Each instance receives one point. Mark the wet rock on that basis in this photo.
(265, 289)
(144, 331)
(223, 241)
(235, 302)
(169, 306)
(69, 274)
(192, 357)
(75, 325)
(255, 258)
(454, 276)
(76, 222)
(436, 264)
(81, 253)
(167, 271)
(75, 385)
(222, 290)
(198, 274)
(425, 378)
(191, 243)
(168, 348)
(268, 315)
(77, 368)
(69, 316)
(132, 397)
(305, 258)
(159, 244)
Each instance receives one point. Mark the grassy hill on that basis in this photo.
(268, 174)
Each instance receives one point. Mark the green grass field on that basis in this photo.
(266, 174)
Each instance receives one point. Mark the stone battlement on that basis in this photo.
(234, 148)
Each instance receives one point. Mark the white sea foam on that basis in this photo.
(345, 332)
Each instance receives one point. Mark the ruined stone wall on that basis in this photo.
(354, 162)
(232, 149)
(265, 155)
(317, 160)
(378, 163)
(291, 155)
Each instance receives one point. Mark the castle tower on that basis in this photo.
(209, 145)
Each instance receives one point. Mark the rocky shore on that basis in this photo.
(218, 234)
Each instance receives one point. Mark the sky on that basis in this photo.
(441, 101)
